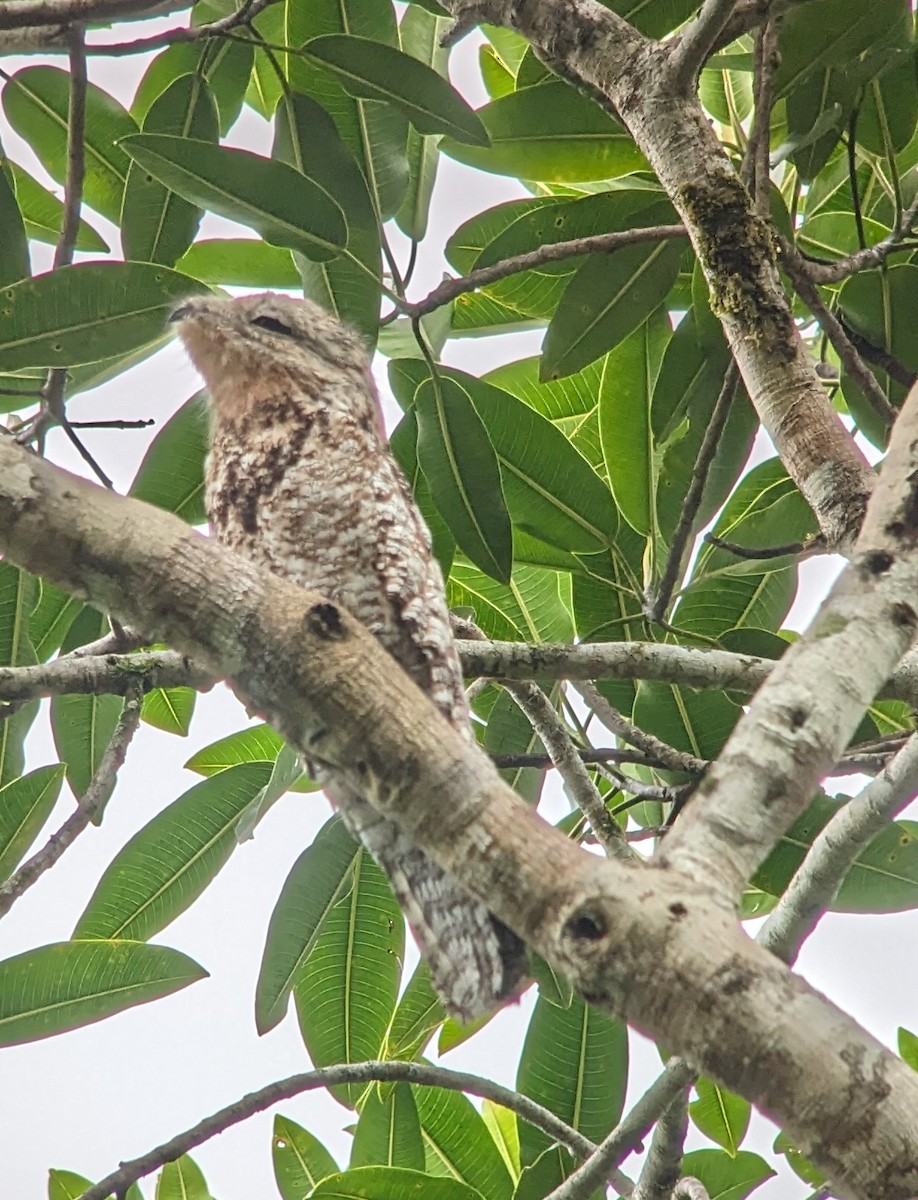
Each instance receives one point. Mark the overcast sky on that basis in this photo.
(113, 1090)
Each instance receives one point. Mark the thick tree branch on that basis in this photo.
(697, 41)
(795, 727)
(632, 76)
(626, 937)
(23, 14)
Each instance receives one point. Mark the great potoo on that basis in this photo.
(301, 479)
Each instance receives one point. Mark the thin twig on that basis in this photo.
(603, 243)
(872, 256)
(421, 1074)
(115, 424)
(799, 276)
(656, 604)
(617, 723)
(756, 172)
(598, 755)
(244, 15)
(757, 553)
(663, 1163)
(89, 808)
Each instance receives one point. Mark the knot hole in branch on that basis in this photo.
(324, 620)
(587, 924)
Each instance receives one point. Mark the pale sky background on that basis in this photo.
(113, 1090)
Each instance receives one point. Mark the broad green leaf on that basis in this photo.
(509, 731)
(370, 70)
(835, 234)
(88, 312)
(66, 1185)
(83, 725)
(285, 207)
(888, 114)
(403, 442)
(529, 608)
(25, 805)
(51, 617)
(14, 249)
(419, 34)
(346, 990)
(467, 243)
(390, 1183)
(550, 133)
(257, 743)
(574, 1062)
(240, 262)
(725, 1177)
(300, 1160)
(457, 1144)
(171, 475)
(625, 394)
(884, 877)
(551, 491)
(388, 1133)
(503, 1128)
(696, 722)
(608, 298)
(907, 1043)
(419, 1013)
(497, 79)
(156, 225)
(64, 986)
(265, 87)
(223, 63)
(168, 863)
(18, 593)
(182, 1179)
(461, 469)
(720, 1115)
(317, 880)
(169, 709)
(36, 101)
(348, 285)
(655, 18)
(376, 134)
(42, 212)
(801, 1166)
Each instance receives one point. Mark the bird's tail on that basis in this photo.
(475, 961)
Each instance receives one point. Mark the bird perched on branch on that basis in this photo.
(301, 480)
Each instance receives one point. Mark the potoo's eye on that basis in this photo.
(273, 325)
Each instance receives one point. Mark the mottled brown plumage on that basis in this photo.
(300, 479)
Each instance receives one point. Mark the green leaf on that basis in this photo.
(390, 1183)
(907, 1043)
(66, 1185)
(168, 863)
(457, 1144)
(884, 877)
(18, 592)
(460, 466)
(156, 225)
(551, 133)
(64, 986)
(550, 490)
(574, 1062)
(300, 1159)
(169, 709)
(51, 617)
(420, 1012)
(284, 206)
(171, 475)
(388, 1133)
(86, 313)
(350, 284)
(36, 101)
(725, 1177)
(14, 249)
(25, 806)
(346, 991)
(530, 608)
(43, 212)
(316, 882)
(502, 1126)
(608, 298)
(370, 70)
(801, 1166)
(509, 732)
(257, 743)
(420, 33)
(83, 725)
(223, 63)
(403, 442)
(376, 134)
(626, 390)
(182, 1179)
(469, 240)
(720, 1115)
(240, 262)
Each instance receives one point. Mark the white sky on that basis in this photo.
(113, 1090)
